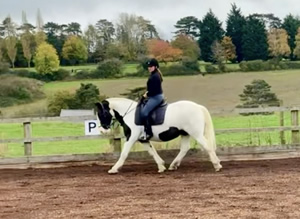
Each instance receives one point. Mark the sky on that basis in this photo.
(162, 13)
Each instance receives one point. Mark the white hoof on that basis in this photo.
(162, 169)
(112, 171)
(172, 167)
(218, 168)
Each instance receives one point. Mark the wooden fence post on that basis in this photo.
(115, 142)
(295, 133)
(27, 139)
(281, 133)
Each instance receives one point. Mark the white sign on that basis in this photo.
(92, 127)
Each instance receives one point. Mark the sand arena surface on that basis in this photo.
(251, 189)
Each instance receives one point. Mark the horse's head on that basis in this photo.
(105, 116)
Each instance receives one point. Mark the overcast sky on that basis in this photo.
(162, 13)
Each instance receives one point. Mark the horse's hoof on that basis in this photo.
(162, 169)
(111, 171)
(217, 169)
(172, 168)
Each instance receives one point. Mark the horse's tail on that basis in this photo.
(209, 131)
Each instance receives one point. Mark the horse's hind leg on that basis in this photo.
(160, 162)
(211, 152)
(184, 148)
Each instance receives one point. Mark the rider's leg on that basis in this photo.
(145, 111)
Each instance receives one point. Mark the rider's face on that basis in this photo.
(151, 69)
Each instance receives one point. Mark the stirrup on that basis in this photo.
(145, 137)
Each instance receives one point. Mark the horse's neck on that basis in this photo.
(122, 105)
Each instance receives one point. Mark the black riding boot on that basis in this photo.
(148, 132)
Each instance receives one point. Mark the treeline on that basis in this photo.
(246, 38)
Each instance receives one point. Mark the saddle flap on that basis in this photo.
(157, 115)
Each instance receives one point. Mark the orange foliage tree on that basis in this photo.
(163, 51)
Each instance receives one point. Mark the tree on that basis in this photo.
(234, 29)
(90, 38)
(163, 51)
(133, 31)
(291, 25)
(46, 59)
(187, 26)
(254, 39)
(278, 43)
(187, 45)
(297, 43)
(210, 31)
(73, 29)
(56, 36)
(229, 49)
(257, 94)
(10, 39)
(218, 54)
(74, 50)
(269, 20)
(40, 36)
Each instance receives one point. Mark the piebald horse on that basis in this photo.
(183, 118)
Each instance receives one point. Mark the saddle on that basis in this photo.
(156, 116)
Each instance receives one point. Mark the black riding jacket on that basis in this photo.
(154, 84)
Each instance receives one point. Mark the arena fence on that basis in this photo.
(282, 150)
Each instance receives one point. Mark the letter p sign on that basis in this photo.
(91, 127)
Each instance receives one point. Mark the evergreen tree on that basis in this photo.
(254, 39)
(187, 26)
(234, 29)
(258, 94)
(210, 31)
(291, 25)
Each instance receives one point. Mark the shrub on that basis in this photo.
(190, 63)
(108, 69)
(4, 67)
(210, 69)
(84, 98)
(177, 69)
(16, 90)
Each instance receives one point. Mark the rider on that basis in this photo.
(154, 94)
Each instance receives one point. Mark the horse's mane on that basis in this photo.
(117, 100)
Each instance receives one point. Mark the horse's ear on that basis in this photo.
(99, 106)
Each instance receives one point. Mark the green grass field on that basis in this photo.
(55, 129)
(219, 93)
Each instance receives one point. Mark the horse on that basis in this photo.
(182, 118)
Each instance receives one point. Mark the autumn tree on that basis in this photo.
(278, 43)
(163, 51)
(297, 43)
(74, 50)
(228, 48)
(46, 59)
(187, 45)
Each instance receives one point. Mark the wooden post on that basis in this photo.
(27, 139)
(281, 133)
(295, 133)
(115, 142)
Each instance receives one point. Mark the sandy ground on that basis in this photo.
(252, 189)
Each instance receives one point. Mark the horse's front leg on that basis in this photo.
(160, 162)
(124, 154)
